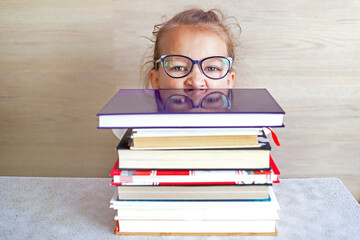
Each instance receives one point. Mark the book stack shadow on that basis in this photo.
(202, 172)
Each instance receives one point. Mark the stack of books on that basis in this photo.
(194, 161)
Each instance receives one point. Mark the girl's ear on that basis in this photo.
(154, 79)
(231, 79)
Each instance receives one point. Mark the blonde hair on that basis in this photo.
(213, 20)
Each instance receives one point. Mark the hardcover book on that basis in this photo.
(181, 132)
(194, 142)
(203, 205)
(194, 226)
(189, 108)
(170, 138)
(194, 192)
(194, 177)
(118, 232)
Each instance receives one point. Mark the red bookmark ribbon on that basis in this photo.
(274, 137)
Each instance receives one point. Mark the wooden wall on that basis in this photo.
(61, 61)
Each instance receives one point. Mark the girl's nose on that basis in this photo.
(196, 79)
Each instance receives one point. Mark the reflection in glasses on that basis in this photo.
(217, 101)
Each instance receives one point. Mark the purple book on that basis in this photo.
(191, 108)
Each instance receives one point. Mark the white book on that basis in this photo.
(197, 213)
(170, 132)
(190, 120)
(189, 205)
(257, 158)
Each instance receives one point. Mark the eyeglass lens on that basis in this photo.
(215, 67)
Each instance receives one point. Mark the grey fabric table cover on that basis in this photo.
(78, 208)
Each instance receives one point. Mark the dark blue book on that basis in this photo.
(191, 108)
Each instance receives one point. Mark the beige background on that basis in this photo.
(61, 61)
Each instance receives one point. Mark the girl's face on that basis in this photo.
(197, 44)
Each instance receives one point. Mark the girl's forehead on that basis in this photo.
(193, 41)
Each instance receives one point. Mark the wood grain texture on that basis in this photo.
(56, 72)
(61, 61)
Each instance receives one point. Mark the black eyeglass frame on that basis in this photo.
(193, 62)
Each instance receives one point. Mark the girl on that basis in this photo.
(193, 50)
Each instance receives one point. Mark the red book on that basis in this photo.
(194, 177)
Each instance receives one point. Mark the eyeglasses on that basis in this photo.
(179, 66)
(181, 103)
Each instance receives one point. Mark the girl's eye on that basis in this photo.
(178, 101)
(211, 69)
(213, 99)
(178, 68)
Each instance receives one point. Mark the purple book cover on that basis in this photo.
(190, 101)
